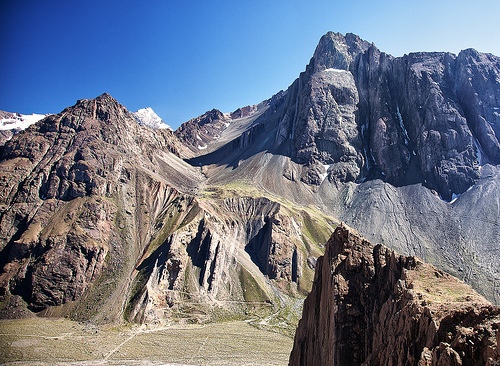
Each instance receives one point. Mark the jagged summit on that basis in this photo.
(103, 108)
(337, 51)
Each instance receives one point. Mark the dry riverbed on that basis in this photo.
(41, 341)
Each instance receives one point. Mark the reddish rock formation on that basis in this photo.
(371, 306)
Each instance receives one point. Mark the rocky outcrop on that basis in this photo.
(244, 112)
(234, 253)
(198, 132)
(319, 119)
(371, 306)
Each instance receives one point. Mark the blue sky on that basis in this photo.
(184, 57)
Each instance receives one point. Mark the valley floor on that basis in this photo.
(40, 341)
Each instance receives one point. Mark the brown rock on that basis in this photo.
(371, 306)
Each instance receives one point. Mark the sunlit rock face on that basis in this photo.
(423, 117)
(104, 218)
(372, 306)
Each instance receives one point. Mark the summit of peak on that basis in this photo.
(337, 51)
(148, 117)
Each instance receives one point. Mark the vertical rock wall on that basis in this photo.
(371, 306)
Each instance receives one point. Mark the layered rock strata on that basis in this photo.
(371, 306)
(431, 118)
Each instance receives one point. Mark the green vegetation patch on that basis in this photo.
(252, 292)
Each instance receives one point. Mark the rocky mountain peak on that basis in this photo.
(336, 51)
(103, 108)
(198, 132)
(359, 114)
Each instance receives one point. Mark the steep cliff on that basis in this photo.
(371, 306)
(80, 193)
(424, 117)
(229, 256)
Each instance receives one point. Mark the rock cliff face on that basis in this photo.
(79, 194)
(235, 252)
(371, 306)
(424, 117)
(198, 132)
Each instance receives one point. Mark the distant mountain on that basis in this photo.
(148, 117)
(227, 215)
(11, 123)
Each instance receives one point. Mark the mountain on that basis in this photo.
(372, 306)
(134, 230)
(76, 189)
(227, 215)
(12, 123)
(148, 117)
(403, 149)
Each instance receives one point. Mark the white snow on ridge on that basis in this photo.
(454, 197)
(20, 121)
(325, 174)
(148, 117)
(479, 152)
(336, 70)
(401, 124)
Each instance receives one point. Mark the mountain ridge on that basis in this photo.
(234, 208)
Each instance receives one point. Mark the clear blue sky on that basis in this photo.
(183, 57)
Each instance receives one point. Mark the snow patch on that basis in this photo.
(454, 197)
(403, 128)
(20, 121)
(148, 117)
(336, 70)
(202, 147)
(479, 153)
(325, 174)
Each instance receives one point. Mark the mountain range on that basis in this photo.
(104, 218)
